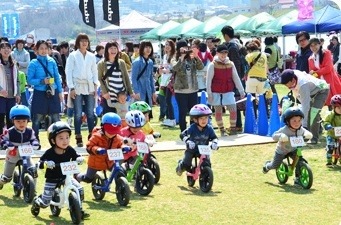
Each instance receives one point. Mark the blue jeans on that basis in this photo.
(89, 105)
(163, 106)
(37, 118)
(24, 99)
(185, 103)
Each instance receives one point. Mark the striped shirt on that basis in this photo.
(115, 81)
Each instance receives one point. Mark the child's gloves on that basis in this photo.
(328, 127)
(80, 160)
(7, 145)
(283, 138)
(126, 149)
(50, 164)
(214, 145)
(35, 146)
(308, 135)
(101, 151)
(190, 144)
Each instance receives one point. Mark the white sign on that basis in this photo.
(142, 147)
(69, 168)
(204, 149)
(297, 141)
(337, 131)
(25, 150)
(115, 154)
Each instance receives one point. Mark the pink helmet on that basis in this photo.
(200, 110)
(336, 101)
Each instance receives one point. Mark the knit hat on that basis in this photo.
(222, 48)
(180, 44)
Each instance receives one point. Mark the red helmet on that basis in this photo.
(336, 101)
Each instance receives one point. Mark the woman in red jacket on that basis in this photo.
(321, 66)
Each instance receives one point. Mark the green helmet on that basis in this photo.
(141, 106)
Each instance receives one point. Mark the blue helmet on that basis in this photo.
(18, 112)
(111, 123)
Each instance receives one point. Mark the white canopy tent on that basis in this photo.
(131, 26)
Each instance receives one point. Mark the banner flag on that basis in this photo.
(88, 12)
(305, 9)
(111, 11)
(15, 25)
(6, 25)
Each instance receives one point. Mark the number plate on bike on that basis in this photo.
(337, 131)
(297, 141)
(25, 150)
(142, 147)
(69, 168)
(204, 149)
(115, 154)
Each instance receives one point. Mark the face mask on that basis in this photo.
(29, 40)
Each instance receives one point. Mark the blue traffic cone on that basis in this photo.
(249, 124)
(203, 98)
(175, 109)
(262, 117)
(274, 123)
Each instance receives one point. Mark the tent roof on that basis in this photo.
(135, 20)
(255, 22)
(234, 22)
(156, 33)
(331, 25)
(275, 26)
(182, 29)
(205, 29)
(312, 25)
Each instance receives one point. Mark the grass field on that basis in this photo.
(241, 194)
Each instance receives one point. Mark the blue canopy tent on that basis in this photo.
(312, 25)
(331, 25)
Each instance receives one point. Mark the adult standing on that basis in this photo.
(142, 74)
(273, 59)
(9, 84)
(312, 93)
(42, 74)
(186, 83)
(30, 46)
(335, 49)
(321, 65)
(113, 77)
(304, 52)
(21, 56)
(82, 80)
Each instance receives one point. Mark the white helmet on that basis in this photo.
(135, 118)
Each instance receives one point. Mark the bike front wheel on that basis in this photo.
(206, 179)
(305, 175)
(282, 173)
(16, 184)
(55, 210)
(144, 181)
(122, 191)
(97, 184)
(154, 166)
(29, 190)
(75, 208)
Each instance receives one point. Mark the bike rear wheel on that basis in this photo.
(144, 181)
(206, 179)
(282, 173)
(122, 191)
(29, 190)
(75, 208)
(154, 166)
(336, 155)
(97, 182)
(55, 210)
(305, 175)
(16, 185)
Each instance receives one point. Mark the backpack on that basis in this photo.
(244, 66)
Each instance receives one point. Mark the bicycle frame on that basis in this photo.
(132, 171)
(107, 182)
(197, 170)
(292, 165)
(337, 148)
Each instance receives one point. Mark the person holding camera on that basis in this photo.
(185, 80)
(42, 74)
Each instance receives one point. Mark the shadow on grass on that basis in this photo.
(335, 168)
(295, 189)
(15, 202)
(55, 219)
(105, 205)
(196, 191)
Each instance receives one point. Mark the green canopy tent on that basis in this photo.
(252, 24)
(234, 22)
(156, 33)
(275, 26)
(182, 29)
(205, 29)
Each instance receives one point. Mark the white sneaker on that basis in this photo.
(70, 122)
(169, 123)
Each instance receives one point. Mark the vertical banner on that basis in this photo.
(15, 28)
(305, 9)
(88, 12)
(6, 25)
(111, 11)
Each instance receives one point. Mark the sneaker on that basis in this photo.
(70, 122)
(232, 130)
(265, 169)
(313, 141)
(239, 129)
(297, 181)
(179, 169)
(156, 135)
(329, 164)
(169, 123)
(223, 133)
(39, 202)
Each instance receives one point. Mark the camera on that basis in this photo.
(48, 93)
